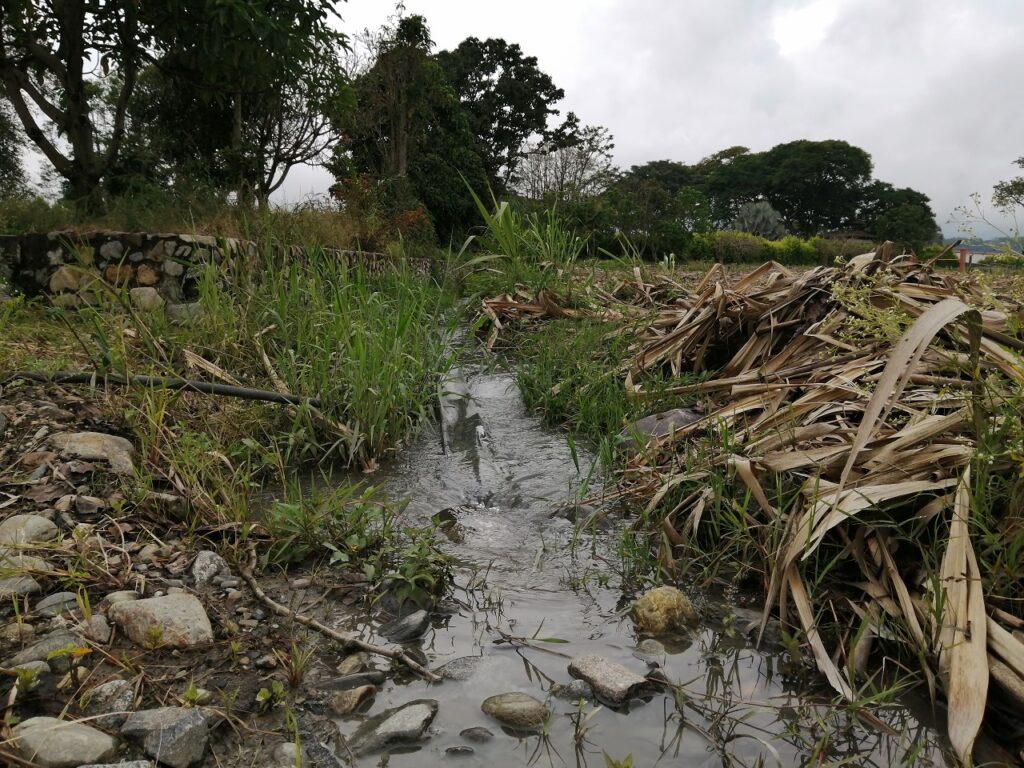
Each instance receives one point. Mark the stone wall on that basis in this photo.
(68, 265)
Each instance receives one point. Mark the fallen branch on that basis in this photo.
(203, 387)
(393, 652)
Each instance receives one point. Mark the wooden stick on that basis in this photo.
(393, 652)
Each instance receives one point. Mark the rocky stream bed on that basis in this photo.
(123, 642)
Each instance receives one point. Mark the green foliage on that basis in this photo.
(1009, 194)
(419, 572)
(759, 218)
(507, 99)
(737, 248)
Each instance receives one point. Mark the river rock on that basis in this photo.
(640, 432)
(56, 604)
(176, 621)
(355, 662)
(54, 743)
(41, 650)
(120, 596)
(112, 699)
(345, 703)
(399, 725)
(574, 690)
(611, 681)
(174, 736)
(173, 268)
(516, 710)
(460, 750)
(65, 279)
(661, 610)
(124, 764)
(206, 567)
(284, 756)
(16, 586)
(477, 734)
(408, 628)
(97, 446)
(97, 629)
(649, 650)
(355, 680)
(26, 530)
(461, 668)
(17, 632)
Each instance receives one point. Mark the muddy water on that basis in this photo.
(522, 572)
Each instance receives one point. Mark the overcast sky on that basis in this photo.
(928, 87)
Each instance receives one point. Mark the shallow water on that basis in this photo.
(524, 573)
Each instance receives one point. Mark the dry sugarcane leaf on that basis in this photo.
(963, 653)
(824, 661)
(899, 366)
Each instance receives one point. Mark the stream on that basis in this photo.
(522, 571)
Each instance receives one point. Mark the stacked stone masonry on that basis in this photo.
(73, 266)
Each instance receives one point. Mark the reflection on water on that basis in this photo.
(525, 574)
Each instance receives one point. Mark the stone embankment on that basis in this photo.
(155, 268)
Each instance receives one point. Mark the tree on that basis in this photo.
(49, 54)
(667, 174)
(12, 171)
(583, 168)
(759, 219)
(1008, 195)
(902, 215)
(816, 185)
(508, 100)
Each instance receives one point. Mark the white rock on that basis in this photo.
(146, 299)
(175, 621)
(207, 566)
(54, 743)
(97, 446)
(26, 530)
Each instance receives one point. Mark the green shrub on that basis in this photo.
(793, 250)
(700, 248)
(738, 248)
(829, 248)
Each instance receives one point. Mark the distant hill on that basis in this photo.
(992, 245)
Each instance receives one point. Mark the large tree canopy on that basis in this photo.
(508, 100)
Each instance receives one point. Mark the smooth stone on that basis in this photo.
(611, 681)
(353, 663)
(461, 668)
(36, 668)
(460, 750)
(283, 756)
(26, 530)
(112, 700)
(661, 610)
(174, 621)
(65, 279)
(355, 680)
(97, 446)
(477, 734)
(206, 567)
(17, 586)
(173, 268)
(54, 743)
(90, 505)
(400, 725)
(112, 250)
(17, 632)
(516, 710)
(56, 604)
(174, 736)
(41, 650)
(346, 702)
(407, 628)
(641, 431)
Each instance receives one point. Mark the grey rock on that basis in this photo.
(611, 681)
(97, 629)
(55, 743)
(477, 734)
(41, 650)
(516, 710)
(401, 725)
(112, 250)
(207, 566)
(461, 668)
(124, 764)
(650, 651)
(56, 604)
(16, 586)
(283, 755)
(572, 691)
(656, 425)
(113, 700)
(174, 736)
(37, 668)
(460, 750)
(146, 299)
(185, 313)
(135, 256)
(26, 530)
(175, 621)
(173, 268)
(97, 446)
(121, 596)
(407, 628)
(355, 680)
(230, 583)
(89, 505)
(17, 632)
